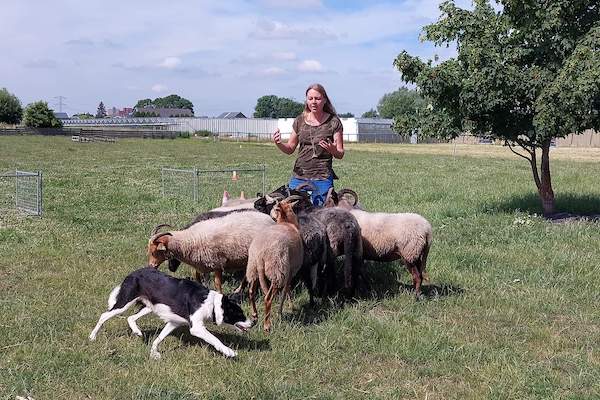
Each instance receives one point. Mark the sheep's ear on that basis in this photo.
(225, 198)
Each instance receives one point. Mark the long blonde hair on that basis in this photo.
(328, 107)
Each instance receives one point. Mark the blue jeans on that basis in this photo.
(317, 195)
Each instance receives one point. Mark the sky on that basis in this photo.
(221, 55)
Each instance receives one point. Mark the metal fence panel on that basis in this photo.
(28, 191)
(207, 186)
(179, 183)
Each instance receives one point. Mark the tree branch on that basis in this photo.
(517, 153)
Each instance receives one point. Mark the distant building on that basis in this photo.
(125, 112)
(165, 112)
(231, 115)
(61, 115)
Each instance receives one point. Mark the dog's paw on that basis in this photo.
(227, 352)
(155, 355)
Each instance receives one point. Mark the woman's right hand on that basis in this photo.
(277, 136)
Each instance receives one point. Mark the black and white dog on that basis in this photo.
(177, 302)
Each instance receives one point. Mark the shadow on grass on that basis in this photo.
(385, 281)
(236, 340)
(568, 205)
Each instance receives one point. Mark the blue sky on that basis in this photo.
(221, 55)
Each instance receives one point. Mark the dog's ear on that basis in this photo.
(236, 297)
(161, 247)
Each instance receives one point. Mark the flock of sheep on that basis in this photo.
(279, 236)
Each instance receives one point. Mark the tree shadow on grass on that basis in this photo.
(569, 206)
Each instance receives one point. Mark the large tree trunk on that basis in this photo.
(545, 187)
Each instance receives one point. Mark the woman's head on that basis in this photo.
(316, 98)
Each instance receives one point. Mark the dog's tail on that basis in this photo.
(112, 298)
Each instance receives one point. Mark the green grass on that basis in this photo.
(516, 315)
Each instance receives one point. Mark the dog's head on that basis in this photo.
(232, 314)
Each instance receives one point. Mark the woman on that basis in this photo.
(319, 132)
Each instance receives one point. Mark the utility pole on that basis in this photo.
(60, 102)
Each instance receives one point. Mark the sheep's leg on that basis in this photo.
(218, 280)
(268, 302)
(416, 275)
(242, 286)
(199, 275)
(286, 295)
(252, 294)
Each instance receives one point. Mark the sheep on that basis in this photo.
(211, 245)
(275, 255)
(228, 204)
(392, 236)
(314, 239)
(343, 234)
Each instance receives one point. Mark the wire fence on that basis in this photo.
(206, 186)
(25, 193)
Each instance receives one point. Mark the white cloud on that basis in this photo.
(285, 56)
(293, 3)
(158, 88)
(274, 30)
(310, 66)
(170, 62)
(273, 71)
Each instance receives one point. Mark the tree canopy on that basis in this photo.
(101, 111)
(524, 75)
(346, 115)
(399, 103)
(11, 111)
(39, 115)
(171, 101)
(271, 106)
(370, 114)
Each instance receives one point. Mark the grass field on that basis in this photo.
(512, 312)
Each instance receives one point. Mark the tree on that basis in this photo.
(83, 116)
(38, 115)
(523, 75)
(170, 101)
(370, 114)
(271, 106)
(101, 112)
(143, 103)
(346, 115)
(11, 111)
(401, 102)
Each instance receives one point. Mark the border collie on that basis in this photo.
(177, 302)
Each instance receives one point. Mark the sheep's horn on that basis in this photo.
(293, 197)
(309, 185)
(351, 192)
(276, 195)
(155, 230)
(331, 199)
(159, 235)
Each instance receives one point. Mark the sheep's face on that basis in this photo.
(158, 249)
(283, 211)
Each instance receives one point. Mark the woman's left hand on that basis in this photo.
(329, 146)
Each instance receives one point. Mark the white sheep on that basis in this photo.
(393, 236)
(212, 245)
(276, 255)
